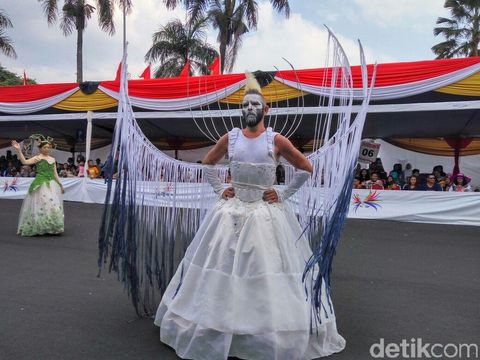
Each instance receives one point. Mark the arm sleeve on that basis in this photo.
(300, 177)
(212, 177)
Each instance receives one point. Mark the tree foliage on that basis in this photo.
(75, 15)
(6, 43)
(176, 42)
(10, 78)
(461, 31)
(232, 19)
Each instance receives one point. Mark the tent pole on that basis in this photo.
(88, 141)
(72, 150)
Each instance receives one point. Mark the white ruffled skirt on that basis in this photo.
(42, 211)
(238, 291)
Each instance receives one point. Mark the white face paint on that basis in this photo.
(252, 109)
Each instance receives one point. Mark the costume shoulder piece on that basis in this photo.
(270, 142)
(232, 138)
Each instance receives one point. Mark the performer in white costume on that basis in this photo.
(238, 291)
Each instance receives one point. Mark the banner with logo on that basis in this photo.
(410, 206)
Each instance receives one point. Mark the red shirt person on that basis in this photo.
(357, 183)
(391, 184)
(374, 183)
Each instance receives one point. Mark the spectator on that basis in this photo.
(9, 155)
(357, 183)
(438, 175)
(92, 170)
(25, 171)
(460, 183)
(443, 184)
(33, 173)
(412, 183)
(416, 172)
(364, 176)
(408, 171)
(63, 170)
(3, 165)
(16, 162)
(99, 165)
(377, 167)
(374, 183)
(71, 171)
(447, 181)
(11, 170)
(80, 159)
(72, 164)
(398, 175)
(438, 169)
(430, 185)
(81, 169)
(392, 184)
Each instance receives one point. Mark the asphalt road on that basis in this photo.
(391, 280)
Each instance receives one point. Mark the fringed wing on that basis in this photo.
(324, 202)
(153, 207)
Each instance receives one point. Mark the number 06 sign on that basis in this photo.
(368, 151)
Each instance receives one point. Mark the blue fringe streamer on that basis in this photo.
(322, 256)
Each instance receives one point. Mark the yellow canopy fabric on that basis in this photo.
(80, 101)
(435, 146)
(469, 86)
(273, 92)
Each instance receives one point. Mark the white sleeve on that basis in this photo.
(211, 175)
(300, 177)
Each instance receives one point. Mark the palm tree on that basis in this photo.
(76, 13)
(462, 30)
(231, 18)
(6, 46)
(176, 42)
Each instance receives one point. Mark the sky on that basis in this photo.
(390, 31)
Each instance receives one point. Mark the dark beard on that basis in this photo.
(252, 119)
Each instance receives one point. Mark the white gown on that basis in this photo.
(42, 208)
(238, 291)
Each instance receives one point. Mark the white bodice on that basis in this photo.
(252, 164)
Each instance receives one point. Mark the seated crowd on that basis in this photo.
(10, 166)
(376, 178)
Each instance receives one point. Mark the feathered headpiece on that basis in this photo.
(252, 84)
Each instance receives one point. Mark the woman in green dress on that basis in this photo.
(42, 209)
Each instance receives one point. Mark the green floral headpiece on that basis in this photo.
(28, 144)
